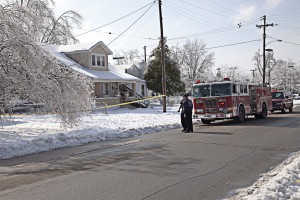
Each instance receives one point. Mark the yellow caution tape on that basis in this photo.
(95, 109)
(121, 104)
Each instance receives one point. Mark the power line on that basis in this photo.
(153, 2)
(187, 15)
(288, 42)
(144, 24)
(189, 12)
(223, 7)
(132, 24)
(204, 9)
(226, 45)
(117, 19)
(210, 32)
(133, 36)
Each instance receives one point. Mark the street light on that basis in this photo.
(118, 58)
(264, 59)
(274, 41)
(269, 51)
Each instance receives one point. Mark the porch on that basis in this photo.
(112, 93)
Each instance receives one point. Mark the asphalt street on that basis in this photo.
(210, 163)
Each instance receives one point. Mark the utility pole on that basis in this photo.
(145, 60)
(162, 58)
(253, 75)
(264, 45)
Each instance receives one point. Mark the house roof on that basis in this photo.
(123, 67)
(112, 75)
(140, 65)
(84, 47)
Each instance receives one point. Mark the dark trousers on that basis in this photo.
(189, 121)
(183, 123)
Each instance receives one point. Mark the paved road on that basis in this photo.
(207, 164)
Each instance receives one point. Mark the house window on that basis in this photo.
(98, 60)
(106, 89)
(93, 60)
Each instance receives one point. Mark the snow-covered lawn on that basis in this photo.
(26, 134)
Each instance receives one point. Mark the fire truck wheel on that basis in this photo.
(263, 114)
(291, 109)
(282, 110)
(204, 121)
(241, 117)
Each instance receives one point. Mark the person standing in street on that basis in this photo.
(188, 112)
(183, 123)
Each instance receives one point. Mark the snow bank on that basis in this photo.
(281, 183)
(36, 133)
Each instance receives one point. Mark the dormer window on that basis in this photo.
(98, 60)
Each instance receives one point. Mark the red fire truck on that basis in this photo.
(230, 100)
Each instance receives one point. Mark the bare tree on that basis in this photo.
(46, 28)
(258, 62)
(196, 62)
(286, 75)
(28, 72)
(128, 56)
(234, 73)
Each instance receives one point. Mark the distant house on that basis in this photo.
(136, 70)
(111, 85)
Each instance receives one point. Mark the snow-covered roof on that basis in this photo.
(140, 65)
(84, 47)
(123, 67)
(112, 75)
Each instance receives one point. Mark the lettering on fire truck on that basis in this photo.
(230, 100)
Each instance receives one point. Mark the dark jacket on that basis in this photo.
(187, 106)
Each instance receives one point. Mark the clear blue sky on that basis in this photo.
(213, 21)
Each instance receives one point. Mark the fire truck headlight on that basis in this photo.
(199, 110)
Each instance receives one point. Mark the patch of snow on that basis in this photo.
(283, 182)
(27, 134)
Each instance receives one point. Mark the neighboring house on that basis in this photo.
(136, 70)
(111, 85)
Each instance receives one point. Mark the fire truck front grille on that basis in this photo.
(211, 102)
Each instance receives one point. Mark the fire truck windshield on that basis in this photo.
(222, 89)
(202, 90)
(277, 95)
(207, 90)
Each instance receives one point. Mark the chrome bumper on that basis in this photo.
(213, 116)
